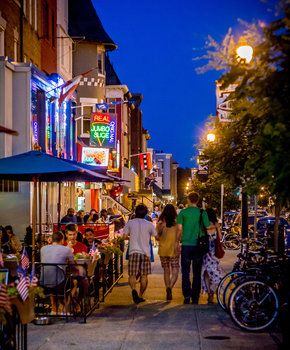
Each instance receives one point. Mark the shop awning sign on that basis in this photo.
(103, 130)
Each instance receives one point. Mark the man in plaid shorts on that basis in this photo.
(139, 232)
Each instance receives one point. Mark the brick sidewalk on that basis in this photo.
(155, 324)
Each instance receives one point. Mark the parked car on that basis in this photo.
(265, 227)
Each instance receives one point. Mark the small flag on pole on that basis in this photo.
(103, 106)
(24, 260)
(68, 88)
(92, 250)
(22, 287)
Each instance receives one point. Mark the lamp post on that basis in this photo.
(245, 55)
(210, 137)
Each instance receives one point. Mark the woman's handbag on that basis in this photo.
(219, 249)
(202, 241)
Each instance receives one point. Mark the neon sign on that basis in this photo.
(103, 130)
(95, 156)
(35, 131)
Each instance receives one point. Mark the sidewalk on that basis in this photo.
(154, 324)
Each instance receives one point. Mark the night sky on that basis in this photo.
(157, 41)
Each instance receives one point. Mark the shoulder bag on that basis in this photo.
(202, 240)
(219, 249)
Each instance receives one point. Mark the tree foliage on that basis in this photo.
(253, 149)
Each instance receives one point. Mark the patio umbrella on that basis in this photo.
(46, 168)
(38, 166)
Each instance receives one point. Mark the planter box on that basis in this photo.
(24, 308)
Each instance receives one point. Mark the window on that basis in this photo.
(35, 15)
(2, 35)
(9, 186)
(86, 120)
(30, 12)
(45, 32)
(24, 7)
(16, 43)
(86, 125)
(53, 36)
(100, 63)
(2, 47)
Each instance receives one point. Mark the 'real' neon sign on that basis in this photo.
(103, 130)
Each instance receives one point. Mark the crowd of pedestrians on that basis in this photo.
(176, 231)
(179, 239)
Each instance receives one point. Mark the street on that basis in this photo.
(155, 324)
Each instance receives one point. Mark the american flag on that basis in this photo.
(22, 287)
(33, 278)
(24, 260)
(92, 250)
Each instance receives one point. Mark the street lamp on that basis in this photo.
(211, 138)
(245, 53)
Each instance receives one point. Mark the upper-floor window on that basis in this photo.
(2, 35)
(53, 35)
(45, 22)
(16, 44)
(30, 12)
(2, 42)
(24, 7)
(35, 15)
(100, 62)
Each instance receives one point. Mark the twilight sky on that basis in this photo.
(157, 40)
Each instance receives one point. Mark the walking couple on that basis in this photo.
(170, 230)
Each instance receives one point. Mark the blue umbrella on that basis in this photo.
(36, 165)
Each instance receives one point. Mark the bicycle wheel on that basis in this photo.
(232, 285)
(254, 306)
(223, 284)
(231, 242)
(255, 246)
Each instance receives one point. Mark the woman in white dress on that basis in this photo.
(211, 273)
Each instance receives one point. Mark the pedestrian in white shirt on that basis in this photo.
(139, 232)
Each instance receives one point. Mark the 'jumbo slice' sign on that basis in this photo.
(103, 130)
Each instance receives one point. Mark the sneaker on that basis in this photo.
(135, 296)
(186, 301)
(141, 300)
(168, 293)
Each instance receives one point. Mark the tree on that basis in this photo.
(253, 150)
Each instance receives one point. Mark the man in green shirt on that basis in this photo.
(188, 221)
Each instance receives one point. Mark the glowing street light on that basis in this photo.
(245, 53)
(210, 137)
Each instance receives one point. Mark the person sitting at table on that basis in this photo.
(80, 217)
(53, 277)
(89, 238)
(90, 215)
(14, 241)
(4, 242)
(69, 217)
(93, 219)
(71, 240)
(104, 219)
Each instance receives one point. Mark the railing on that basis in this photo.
(13, 334)
(111, 202)
(81, 293)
